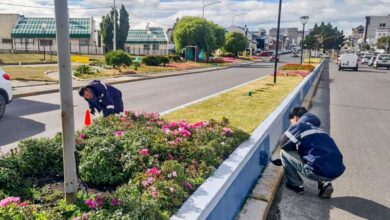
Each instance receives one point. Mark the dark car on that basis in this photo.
(265, 54)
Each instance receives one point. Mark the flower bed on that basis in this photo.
(307, 67)
(302, 73)
(136, 166)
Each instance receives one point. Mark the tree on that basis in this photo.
(118, 59)
(106, 27)
(123, 29)
(235, 42)
(196, 31)
(384, 43)
(325, 36)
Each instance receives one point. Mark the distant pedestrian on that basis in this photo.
(311, 152)
(102, 98)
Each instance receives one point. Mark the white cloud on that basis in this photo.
(344, 14)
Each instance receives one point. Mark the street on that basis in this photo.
(355, 108)
(39, 116)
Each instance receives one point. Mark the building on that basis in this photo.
(148, 41)
(373, 24)
(358, 32)
(38, 34)
(290, 37)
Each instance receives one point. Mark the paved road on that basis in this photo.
(38, 116)
(355, 107)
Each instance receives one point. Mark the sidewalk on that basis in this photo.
(31, 88)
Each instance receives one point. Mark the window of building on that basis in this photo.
(6, 41)
(84, 42)
(146, 47)
(24, 41)
(382, 25)
(156, 46)
(44, 42)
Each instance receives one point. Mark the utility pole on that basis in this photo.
(114, 43)
(66, 94)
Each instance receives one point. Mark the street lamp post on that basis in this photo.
(304, 20)
(277, 41)
(205, 5)
(43, 27)
(114, 40)
(236, 16)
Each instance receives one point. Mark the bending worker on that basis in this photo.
(101, 97)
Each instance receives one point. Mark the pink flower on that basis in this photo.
(76, 218)
(144, 152)
(171, 157)
(200, 124)
(138, 114)
(99, 201)
(85, 216)
(184, 125)
(174, 174)
(153, 171)
(118, 133)
(9, 200)
(150, 180)
(184, 132)
(171, 189)
(188, 185)
(227, 131)
(82, 136)
(178, 140)
(23, 204)
(145, 183)
(154, 192)
(91, 203)
(115, 202)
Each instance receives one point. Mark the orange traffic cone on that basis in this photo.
(87, 121)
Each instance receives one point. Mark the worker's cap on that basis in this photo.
(81, 91)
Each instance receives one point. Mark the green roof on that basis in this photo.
(148, 36)
(32, 27)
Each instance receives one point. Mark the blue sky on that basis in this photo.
(258, 14)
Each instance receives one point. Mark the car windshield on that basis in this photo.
(384, 57)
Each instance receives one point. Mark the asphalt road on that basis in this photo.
(355, 108)
(39, 116)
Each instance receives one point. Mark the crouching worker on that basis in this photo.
(311, 152)
(102, 98)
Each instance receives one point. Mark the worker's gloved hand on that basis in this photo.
(92, 111)
(277, 162)
(110, 111)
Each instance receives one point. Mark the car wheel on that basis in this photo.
(2, 105)
(388, 68)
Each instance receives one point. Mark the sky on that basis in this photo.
(345, 14)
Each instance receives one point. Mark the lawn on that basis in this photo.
(25, 58)
(35, 73)
(243, 111)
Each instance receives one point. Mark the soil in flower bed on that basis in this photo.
(136, 166)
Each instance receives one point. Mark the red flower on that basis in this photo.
(144, 152)
(153, 171)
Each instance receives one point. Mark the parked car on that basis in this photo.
(382, 60)
(272, 58)
(265, 54)
(366, 58)
(371, 61)
(5, 91)
(349, 61)
(295, 55)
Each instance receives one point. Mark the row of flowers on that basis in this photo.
(146, 166)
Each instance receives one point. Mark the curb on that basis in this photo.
(260, 200)
(124, 81)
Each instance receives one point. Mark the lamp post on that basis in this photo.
(149, 34)
(205, 5)
(277, 41)
(114, 40)
(304, 20)
(236, 16)
(43, 27)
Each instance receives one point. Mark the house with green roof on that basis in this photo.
(148, 41)
(38, 34)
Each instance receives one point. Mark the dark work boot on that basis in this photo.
(326, 190)
(297, 189)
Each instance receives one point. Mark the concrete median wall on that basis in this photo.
(223, 194)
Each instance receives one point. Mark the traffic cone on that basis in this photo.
(87, 121)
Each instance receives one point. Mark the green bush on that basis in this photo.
(228, 54)
(151, 61)
(83, 70)
(174, 58)
(96, 63)
(163, 60)
(118, 59)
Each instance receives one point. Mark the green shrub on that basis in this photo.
(40, 157)
(118, 59)
(174, 58)
(163, 60)
(151, 61)
(83, 70)
(136, 65)
(10, 177)
(96, 63)
(228, 54)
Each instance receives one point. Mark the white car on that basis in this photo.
(371, 61)
(382, 60)
(5, 91)
(349, 61)
(366, 58)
